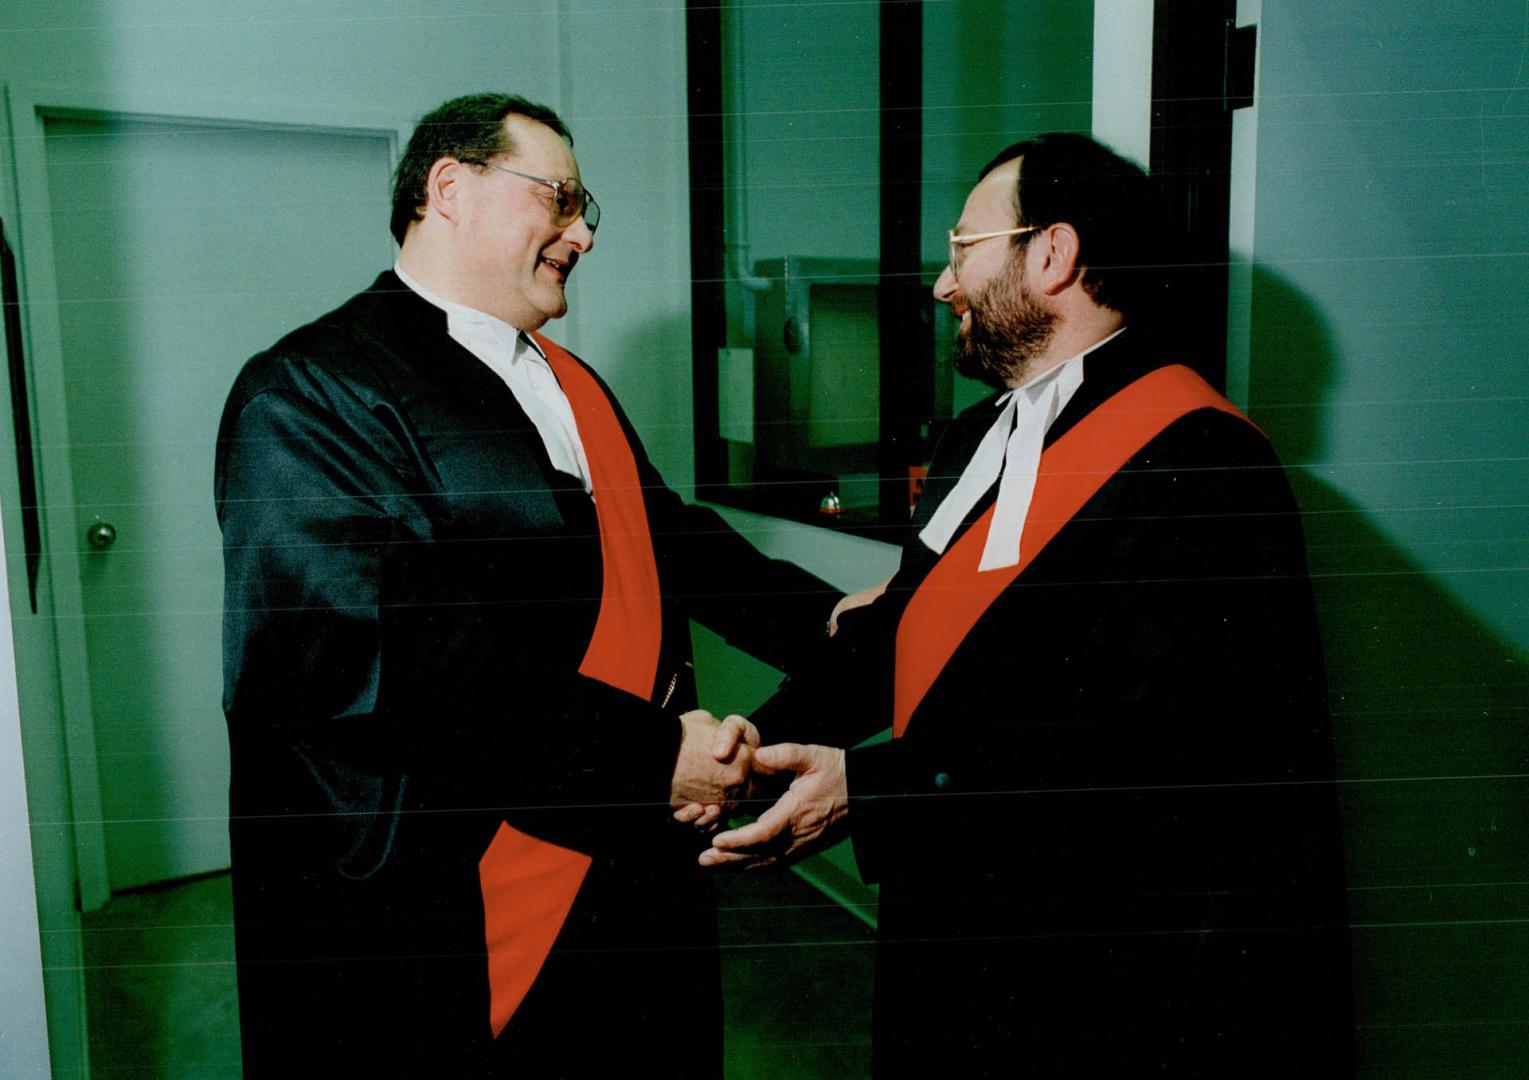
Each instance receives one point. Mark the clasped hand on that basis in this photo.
(713, 770)
(806, 815)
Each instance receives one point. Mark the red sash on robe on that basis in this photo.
(529, 884)
(953, 596)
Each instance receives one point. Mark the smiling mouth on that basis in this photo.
(562, 268)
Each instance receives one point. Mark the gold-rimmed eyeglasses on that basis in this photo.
(959, 243)
(570, 199)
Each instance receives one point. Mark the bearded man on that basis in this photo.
(1104, 828)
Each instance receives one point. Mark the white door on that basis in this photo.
(180, 249)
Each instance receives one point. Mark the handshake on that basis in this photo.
(721, 763)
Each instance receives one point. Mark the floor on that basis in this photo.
(796, 977)
(161, 998)
(159, 983)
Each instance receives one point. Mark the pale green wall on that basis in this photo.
(47, 781)
(807, 85)
(996, 72)
(1388, 363)
(617, 75)
(1393, 197)
(29, 870)
(44, 762)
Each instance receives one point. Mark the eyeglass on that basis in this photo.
(570, 199)
(959, 244)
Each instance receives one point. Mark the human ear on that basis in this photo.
(443, 187)
(1060, 266)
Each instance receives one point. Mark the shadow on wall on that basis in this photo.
(1431, 725)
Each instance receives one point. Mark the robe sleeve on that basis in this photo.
(348, 639)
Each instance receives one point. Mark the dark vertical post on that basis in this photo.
(1192, 160)
(703, 40)
(904, 330)
(26, 464)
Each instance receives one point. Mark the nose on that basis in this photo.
(579, 235)
(945, 286)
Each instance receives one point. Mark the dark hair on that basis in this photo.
(1116, 209)
(470, 129)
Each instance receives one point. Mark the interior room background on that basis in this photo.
(181, 182)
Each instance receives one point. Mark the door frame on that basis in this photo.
(30, 107)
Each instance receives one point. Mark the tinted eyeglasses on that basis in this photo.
(570, 199)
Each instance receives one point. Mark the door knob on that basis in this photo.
(101, 535)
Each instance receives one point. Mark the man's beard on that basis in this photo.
(1009, 331)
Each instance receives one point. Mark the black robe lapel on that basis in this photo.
(492, 466)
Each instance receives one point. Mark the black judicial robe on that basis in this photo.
(410, 589)
(1107, 842)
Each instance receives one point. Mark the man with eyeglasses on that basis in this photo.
(457, 671)
(1105, 827)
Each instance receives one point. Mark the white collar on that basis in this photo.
(464, 317)
(1009, 453)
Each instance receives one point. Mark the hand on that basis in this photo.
(852, 601)
(702, 778)
(735, 730)
(807, 816)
